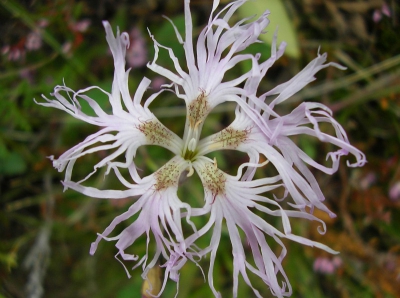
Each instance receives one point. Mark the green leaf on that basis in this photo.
(278, 19)
(309, 146)
(130, 290)
(12, 164)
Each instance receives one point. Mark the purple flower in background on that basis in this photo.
(136, 54)
(384, 10)
(80, 26)
(394, 192)
(242, 201)
(367, 181)
(33, 41)
(327, 265)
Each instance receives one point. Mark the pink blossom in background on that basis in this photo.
(14, 53)
(157, 83)
(33, 41)
(136, 54)
(394, 192)
(43, 23)
(366, 181)
(80, 26)
(384, 10)
(327, 265)
(66, 47)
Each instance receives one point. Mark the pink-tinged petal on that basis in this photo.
(229, 198)
(129, 126)
(206, 72)
(300, 80)
(160, 213)
(118, 46)
(104, 194)
(163, 71)
(270, 137)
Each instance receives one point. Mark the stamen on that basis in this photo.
(191, 171)
(192, 145)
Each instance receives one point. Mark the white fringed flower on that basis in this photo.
(257, 130)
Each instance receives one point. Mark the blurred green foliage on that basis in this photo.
(365, 100)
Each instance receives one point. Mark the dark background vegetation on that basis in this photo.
(45, 233)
